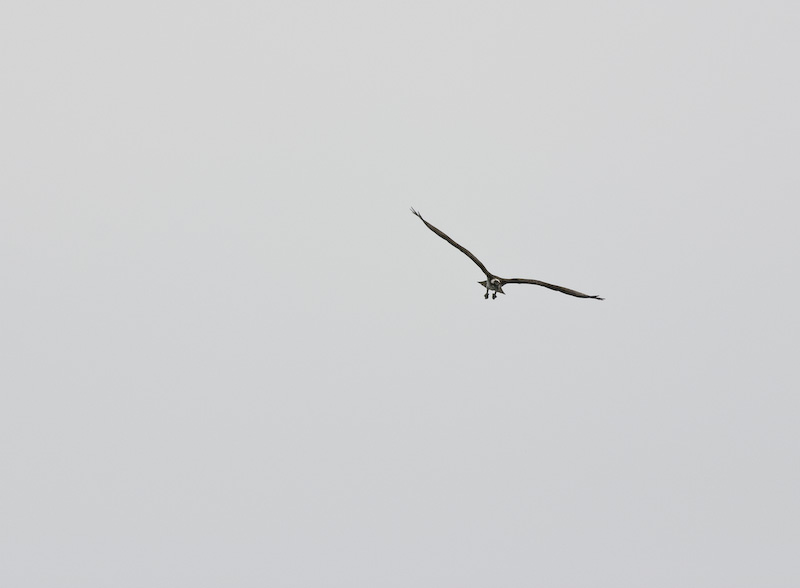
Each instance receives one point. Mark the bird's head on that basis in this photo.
(494, 284)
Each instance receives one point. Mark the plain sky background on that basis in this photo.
(232, 357)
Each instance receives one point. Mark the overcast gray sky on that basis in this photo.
(232, 357)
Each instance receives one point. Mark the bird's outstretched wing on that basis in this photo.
(464, 250)
(546, 285)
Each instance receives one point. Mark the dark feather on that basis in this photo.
(551, 286)
(464, 250)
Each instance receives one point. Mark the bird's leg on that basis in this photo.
(487, 290)
(486, 295)
(494, 295)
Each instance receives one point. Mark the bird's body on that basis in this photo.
(496, 283)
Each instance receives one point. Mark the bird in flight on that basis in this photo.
(496, 283)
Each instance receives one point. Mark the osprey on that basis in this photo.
(496, 283)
